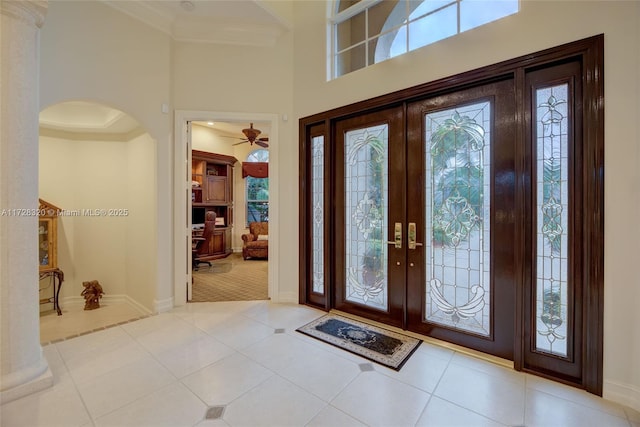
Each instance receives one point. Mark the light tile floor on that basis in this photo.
(75, 321)
(170, 369)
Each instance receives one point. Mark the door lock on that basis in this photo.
(397, 236)
(411, 234)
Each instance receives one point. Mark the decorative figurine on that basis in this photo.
(92, 293)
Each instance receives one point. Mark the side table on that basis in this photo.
(55, 273)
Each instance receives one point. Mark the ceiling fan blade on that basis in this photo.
(241, 142)
(263, 139)
(262, 144)
(234, 137)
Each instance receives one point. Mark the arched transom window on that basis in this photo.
(365, 32)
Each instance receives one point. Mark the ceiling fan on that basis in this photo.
(252, 136)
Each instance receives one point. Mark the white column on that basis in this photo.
(23, 369)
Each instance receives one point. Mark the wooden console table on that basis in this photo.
(55, 273)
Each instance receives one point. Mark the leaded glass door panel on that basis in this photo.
(554, 316)
(461, 163)
(370, 212)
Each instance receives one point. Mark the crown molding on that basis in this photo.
(200, 29)
(97, 126)
(90, 136)
(30, 11)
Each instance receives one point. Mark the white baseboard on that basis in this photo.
(16, 387)
(286, 297)
(163, 305)
(141, 308)
(624, 394)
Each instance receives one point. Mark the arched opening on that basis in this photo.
(97, 164)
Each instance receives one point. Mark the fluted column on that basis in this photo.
(23, 369)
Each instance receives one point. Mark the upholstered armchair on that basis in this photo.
(256, 243)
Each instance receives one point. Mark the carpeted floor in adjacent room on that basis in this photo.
(231, 279)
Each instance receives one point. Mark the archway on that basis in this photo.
(97, 164)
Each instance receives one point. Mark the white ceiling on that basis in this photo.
(80, 117)
(87, 117)
(240, 22)
(234, 130)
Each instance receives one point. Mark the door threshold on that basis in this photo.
(458, 348)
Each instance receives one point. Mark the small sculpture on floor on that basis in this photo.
(92, 293)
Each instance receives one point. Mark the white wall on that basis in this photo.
(207, 139)
(80, 175)
(91, 52)
(141, 221)
(539, 25)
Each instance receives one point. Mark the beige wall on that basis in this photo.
(539, 25)
(80, 175)
(91, 52)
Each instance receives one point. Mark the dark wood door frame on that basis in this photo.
(589, 53)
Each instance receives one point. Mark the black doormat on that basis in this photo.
(379, 345)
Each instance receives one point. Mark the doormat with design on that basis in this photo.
(379, 345)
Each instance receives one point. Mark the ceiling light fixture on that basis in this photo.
(210, 123)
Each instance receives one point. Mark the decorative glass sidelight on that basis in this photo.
(317, 191)
(552, 218)
(457, 195)
(366, 215)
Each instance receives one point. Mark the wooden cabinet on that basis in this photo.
(47, 235)
(46, 243)
(217, 190)
(219, 246)
(212, 190)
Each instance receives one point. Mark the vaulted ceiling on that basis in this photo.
(238, 22)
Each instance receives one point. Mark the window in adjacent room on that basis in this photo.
(257, 190)
(367, 32)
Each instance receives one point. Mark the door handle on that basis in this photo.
(397, 236)
(411, 235)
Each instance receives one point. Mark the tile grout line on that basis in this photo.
(435, 387)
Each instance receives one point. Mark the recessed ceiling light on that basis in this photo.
(187, 5)
(210, 123)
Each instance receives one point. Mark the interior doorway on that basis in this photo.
(183, 190)
(226, 197)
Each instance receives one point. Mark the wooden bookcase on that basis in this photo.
(212, 190)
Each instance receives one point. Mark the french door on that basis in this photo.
(424, 217)
(468, 210)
